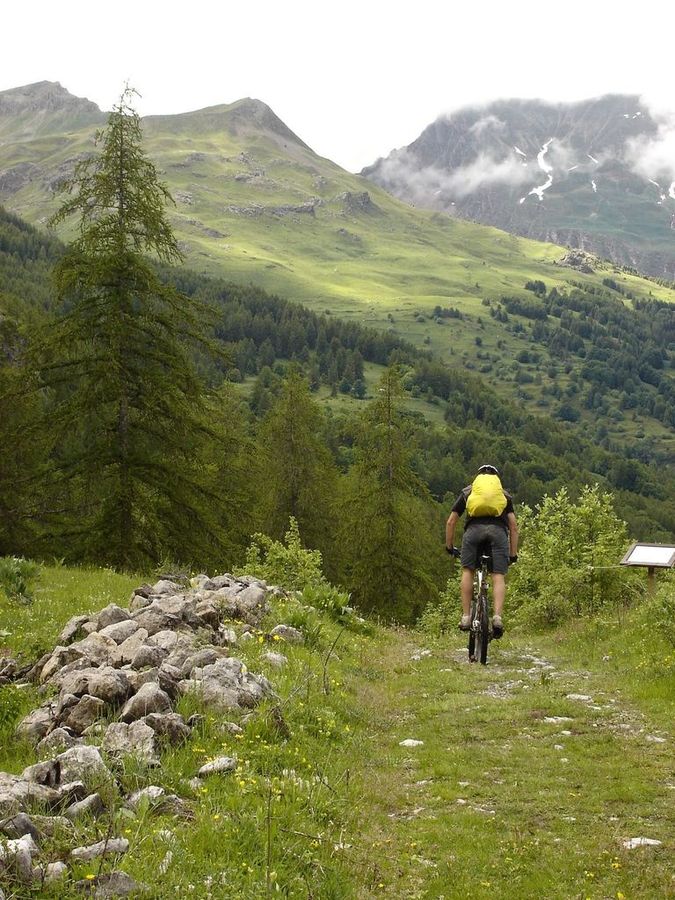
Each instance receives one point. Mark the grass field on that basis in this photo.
(531, 774)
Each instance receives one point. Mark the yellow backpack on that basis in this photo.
(487, 497)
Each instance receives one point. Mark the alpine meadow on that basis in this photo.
(240, 391)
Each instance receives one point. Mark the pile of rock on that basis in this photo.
(130, 665)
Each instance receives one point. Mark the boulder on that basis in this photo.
(113, 884)
(149, 699)
(17, 855)
(147, 656)
(92, 806)
(288, 633)
(203, 657)
(16, 794)
(47, 773)
(165, 586)
(170, 728)
(108, 847)
(154, 619)
(57, 660)
(127, 649)
(71, 629)
(223, 765)
(37, 724)
(18, 825)
(55, 872)
(110, 615)
(135, 739)
(166, 639)
(86, 711)
(98, 649)
(275, 660)
(120, 631)
(83, 763)
(57, 741)
(104, 682)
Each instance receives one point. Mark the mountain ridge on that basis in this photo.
(592, 175)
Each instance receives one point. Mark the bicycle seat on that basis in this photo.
(485, 550)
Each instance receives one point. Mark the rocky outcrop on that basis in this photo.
(116, 677)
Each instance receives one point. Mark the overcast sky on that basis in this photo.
(353, 79)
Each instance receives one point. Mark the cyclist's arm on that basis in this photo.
(513, 534)
(450, 526)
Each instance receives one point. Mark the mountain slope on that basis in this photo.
(255, 204)
(594, 175)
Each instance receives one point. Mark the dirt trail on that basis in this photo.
(524, 778)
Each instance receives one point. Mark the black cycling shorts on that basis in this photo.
(479, 534)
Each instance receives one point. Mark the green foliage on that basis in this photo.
(387, 528)
(568, 565)
(298, 478)
(16, 577)
(659, 609)
(129, 408)
(12, 703)
(289, 564)
(441, 617)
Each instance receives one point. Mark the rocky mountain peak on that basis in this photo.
(42, 108)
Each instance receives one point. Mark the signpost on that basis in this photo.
(652, 556)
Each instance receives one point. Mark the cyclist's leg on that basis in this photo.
(466, 590)
(500, 563)
(469, 561)
(498, 593)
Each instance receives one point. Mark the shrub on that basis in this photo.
(660, 609)
(569, 562)
(289, 565)
(442, 616)
(16, 575)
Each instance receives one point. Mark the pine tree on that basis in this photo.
(388, 531)
(298, 476)
(129, 404)
(23, 444)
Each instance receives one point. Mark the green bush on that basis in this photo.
(16, 575)
(442, 616)
(569, 562)
(294, 568)
(12, 702)
(289, 565)
(660, 609)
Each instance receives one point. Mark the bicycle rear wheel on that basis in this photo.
(482, 632)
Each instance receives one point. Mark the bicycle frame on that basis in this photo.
(480, 634)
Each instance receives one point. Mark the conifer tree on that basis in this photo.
(23, 445)
(118, 360)
(298, 477)
(388, 536)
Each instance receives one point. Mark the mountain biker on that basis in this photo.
(499, 530)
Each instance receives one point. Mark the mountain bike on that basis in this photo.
(480, 634)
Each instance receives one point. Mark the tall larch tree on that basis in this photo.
(119, 362)
(297, 475)
(389, 534)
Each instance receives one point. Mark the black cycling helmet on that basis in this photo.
(488, 470)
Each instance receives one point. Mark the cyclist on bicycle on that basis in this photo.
(490, 520)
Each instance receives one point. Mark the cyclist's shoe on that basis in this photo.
(497, 627)
(465, 623)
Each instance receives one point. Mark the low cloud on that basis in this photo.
(402, 171)
(490, 122)
(653, 156)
